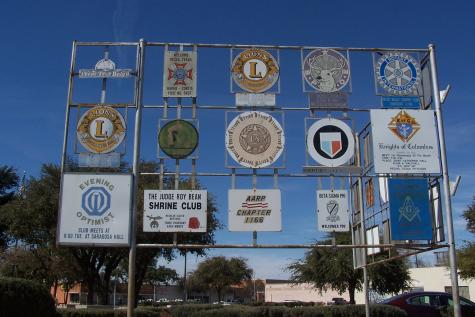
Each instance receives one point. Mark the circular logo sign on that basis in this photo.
(255, 139)
(330, 142)
(101, 129)
(326, 70)
(178, 138)
(398, 73)
(255, 70)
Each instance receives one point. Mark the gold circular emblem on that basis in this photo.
(255, 70)
(255, 139)
(101, 129)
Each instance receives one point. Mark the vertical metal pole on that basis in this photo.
(68, 103)
(445, 178)
(135, 173)
(254, 185)
(160, 177)
(363, 229)
(104, 80)
(185, 293)
(233, 178)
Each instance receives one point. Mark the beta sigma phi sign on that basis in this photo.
(332, 209)
(175, 211)
(330, 142)
(255, 139)
(95, 210)
(254, 210)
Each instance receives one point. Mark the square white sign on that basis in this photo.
(175, 211)
(254, 210)
(95, 210)
(332, 210)
(404, 142)
(179, 74)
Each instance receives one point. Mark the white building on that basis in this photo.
(435, 278)
(280, 291)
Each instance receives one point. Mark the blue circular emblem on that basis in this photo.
(398, 73)
(96, 201)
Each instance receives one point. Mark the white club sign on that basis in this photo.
(254, 210)
(175, 211)
(332, 210)
(404, 142)
(179, 75)
(95, 210)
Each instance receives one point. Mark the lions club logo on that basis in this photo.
(101, 129)
(255, 70)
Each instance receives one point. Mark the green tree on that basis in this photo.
(161, 275)
(466, 254)
(333, 269)
(219, 273)
(146, 257)
(8, 182)
(33, 221)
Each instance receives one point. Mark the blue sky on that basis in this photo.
(35, 53)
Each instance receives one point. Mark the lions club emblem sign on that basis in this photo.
(330, 142)
(101, 129)
(255, 139)
(255, 70)
(326, 70)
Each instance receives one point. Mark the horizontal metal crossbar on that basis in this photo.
(281, 47)
(285, 175)
(287, 246)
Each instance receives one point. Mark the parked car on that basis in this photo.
(429, 304)
(337, 301)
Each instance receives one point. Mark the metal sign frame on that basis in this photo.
(138, 106)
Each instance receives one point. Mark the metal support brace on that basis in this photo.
(363, 229)
(446, 182)
(135, 173)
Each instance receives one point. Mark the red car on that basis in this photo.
(429, 304)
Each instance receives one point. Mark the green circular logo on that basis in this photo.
(178, 138)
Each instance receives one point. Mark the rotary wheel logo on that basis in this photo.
(326, 70)
(101, 129)
(255, 139)
(255, 70)
(398, 73)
